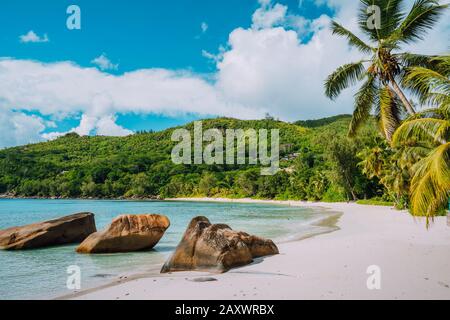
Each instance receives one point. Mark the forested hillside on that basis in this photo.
(319, 163)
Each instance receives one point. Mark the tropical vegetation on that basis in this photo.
(383, 70)
(318, 163)
(412, 161)
(394, 149)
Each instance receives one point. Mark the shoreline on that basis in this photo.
(292, 203)
(327, 222)
(413, 262)
(10, 197)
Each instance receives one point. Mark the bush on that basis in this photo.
(375, 202)
(335, 194)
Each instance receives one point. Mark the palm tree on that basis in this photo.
(382, 72)
(430, 185)
(373, 160)
(390, 167)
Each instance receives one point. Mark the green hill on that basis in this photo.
(319, 163)
(322, 122)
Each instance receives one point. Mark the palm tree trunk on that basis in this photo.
(350, 188)
(402, 97)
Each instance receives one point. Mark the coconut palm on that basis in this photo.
(384, 68)
(391, 167)
(373, 160)
(430, 85)
(430, 185)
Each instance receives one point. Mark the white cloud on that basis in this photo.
(265, 68)
(104, 63)
(106, 126)
(214, 57)
(434, 42)
(64, 89)
(268, 15)
(211, 56)
(31, 36)
(431, 44)
(204, 26)
(299, 24)
(18, 128)
(103, 125)
(270, 69)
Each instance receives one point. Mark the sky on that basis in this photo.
(148, 65)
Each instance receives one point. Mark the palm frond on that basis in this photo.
(407, 60)
(365, 99)
(423, 16)
(427, 129)
(431, 183)
(389, 116)
(416, 152)
(425, 79)
(353, 40)
(430, 85)
(442, 112)
(364, 16)
(391, 17)
(342, 78)
(438, 99)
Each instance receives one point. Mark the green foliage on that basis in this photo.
(319, 163)
(335, 194)
(415, 168)
(375, 202)
(427, 135)
(322, 122)
(392, 168)
(385, 68)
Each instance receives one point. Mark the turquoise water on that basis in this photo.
(42, 273)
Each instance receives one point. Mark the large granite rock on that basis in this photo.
(216, 247)
(70, 229)
(127, 233)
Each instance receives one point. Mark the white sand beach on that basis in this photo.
(414, 264)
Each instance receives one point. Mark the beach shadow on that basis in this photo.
(256, 261)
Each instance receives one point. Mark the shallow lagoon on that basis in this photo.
(42, 273)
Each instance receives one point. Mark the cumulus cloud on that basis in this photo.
(65, 89)
(214, 57)
(434, 43)
(18, 128)
(271, 69)
(104, 63)
(431, 44)
(100, 125)
(31, 36)
(268, 15)
(264, 68)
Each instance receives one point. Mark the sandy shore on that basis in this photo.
(414, 263)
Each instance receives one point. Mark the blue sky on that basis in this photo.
(134, 33)
(149, 65)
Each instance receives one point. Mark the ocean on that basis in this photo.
(42, 273)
